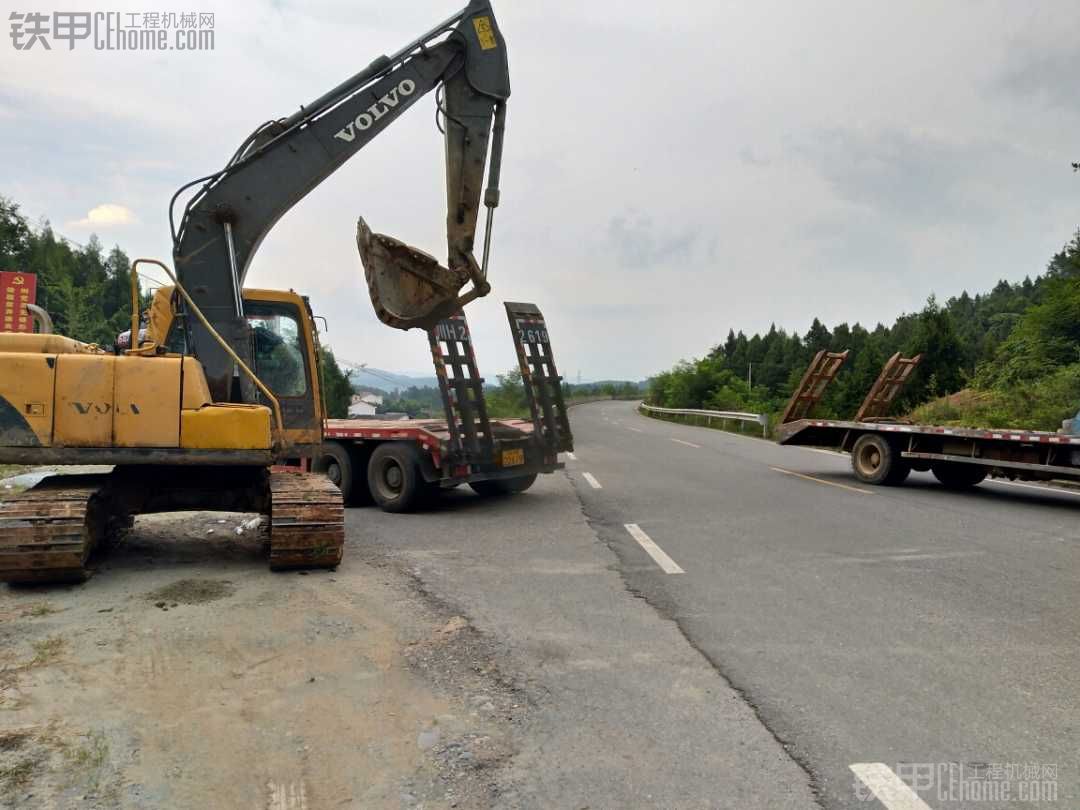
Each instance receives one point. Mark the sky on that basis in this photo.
(671, 170)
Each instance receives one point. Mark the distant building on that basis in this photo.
(361, 408)
(360, 405)
(364, 405)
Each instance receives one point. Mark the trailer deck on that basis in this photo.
(433, 435)
(884, 450)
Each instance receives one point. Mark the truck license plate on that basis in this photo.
(512, 458)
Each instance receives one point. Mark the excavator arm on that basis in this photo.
(225, 221)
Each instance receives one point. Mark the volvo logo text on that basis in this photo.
(406, 87)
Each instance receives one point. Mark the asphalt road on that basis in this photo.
(682, 619)
(809, 625)
(620, 711)
(915, 627)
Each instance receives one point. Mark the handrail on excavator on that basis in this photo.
(276, 406)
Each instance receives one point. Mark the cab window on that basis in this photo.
(279, 347)
(176, 342)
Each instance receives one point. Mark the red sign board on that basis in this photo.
(16, 291)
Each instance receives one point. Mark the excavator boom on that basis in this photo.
(282, 161)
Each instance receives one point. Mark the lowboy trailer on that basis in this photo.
(885, 450)
(400, 464)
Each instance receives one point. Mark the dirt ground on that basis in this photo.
(185, 674)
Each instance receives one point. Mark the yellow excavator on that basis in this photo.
(222, 386)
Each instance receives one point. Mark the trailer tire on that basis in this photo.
(877, 462)
(394, 477)
(954, 475)
(503, 486)
(340, 463)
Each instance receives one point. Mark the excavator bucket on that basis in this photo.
(409, 288)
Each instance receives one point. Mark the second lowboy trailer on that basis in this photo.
(400, 464)
(885, 450)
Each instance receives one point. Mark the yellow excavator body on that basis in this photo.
(150, 414)
(58, 393)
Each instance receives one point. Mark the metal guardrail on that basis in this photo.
(738, 416)
(586, 400)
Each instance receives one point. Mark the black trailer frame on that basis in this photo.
(885, 450)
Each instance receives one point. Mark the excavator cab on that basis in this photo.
(285, 355)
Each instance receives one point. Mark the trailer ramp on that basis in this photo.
(822, 371)
(461, 388)
(543, 385)
(890, 382)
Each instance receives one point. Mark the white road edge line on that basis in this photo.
(889, 789)
(821, 481)
(571, 456)
(1040, 487)
(822, 450)
(592, 480)
(688, 444)
(653, 550)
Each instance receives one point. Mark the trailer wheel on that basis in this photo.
(503, 486)
(339, 463)
(394, 477)
(954, 475)
(875, 461)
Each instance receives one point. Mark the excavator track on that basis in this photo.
(48, 532)
(307, 521)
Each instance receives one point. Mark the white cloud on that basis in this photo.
(670, 173)
(108, 215)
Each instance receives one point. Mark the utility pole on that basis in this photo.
(750, 377)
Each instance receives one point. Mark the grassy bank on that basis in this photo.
(1040, 405)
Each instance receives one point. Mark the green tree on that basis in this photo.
(336, 385)
(15, 236)
(508, 397)
(934, 337)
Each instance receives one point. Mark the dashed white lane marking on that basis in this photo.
(889, 789)
(637, 430)
(592, 480)
(291, 796)
(688, 444)
(822, 481)
(1036, 486)
(571, 456)
(653, 550)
